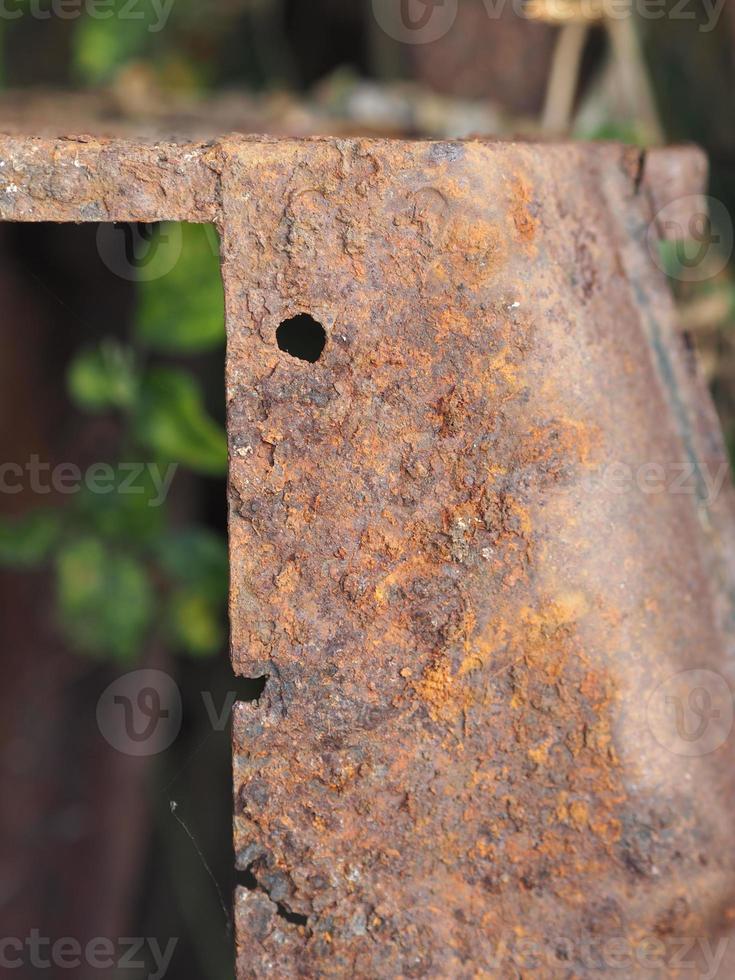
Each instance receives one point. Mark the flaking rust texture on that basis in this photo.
(450, 773)
(460, 609)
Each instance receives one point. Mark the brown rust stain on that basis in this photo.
(458, 624)
(434, 767)
(523, 209)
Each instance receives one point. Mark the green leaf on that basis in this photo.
(29, 541)
(181, 306)
(103, 377)
(196, 558)
(612, 131)
(172, 422)
(125, 502)
(196, 624)
(667, 251)
(101, 46)
(105, 600)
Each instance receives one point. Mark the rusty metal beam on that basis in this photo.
(461, 620)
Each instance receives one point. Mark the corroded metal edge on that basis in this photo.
(85, 178)
(461, 623)
(451, 754)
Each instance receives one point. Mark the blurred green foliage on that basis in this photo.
(104, 598)
(196, 562)
(102, 46)
(171, 422)
(124, 573)
(135, 518)
(613, 131)
(178, 41)
(183, 310)
(29, 541)
(103, 377)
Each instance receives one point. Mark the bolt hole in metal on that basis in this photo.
(302, 337)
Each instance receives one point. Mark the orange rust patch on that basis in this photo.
(440, 690)
(561, 442)
(526, 224)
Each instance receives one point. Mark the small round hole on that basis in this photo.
(302, 336)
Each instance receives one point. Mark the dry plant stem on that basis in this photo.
(633, 76)
(564, 78)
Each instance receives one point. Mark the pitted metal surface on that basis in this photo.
(462, 609)
(460, 619)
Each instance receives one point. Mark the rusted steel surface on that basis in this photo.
(460, 620)
(86, 179)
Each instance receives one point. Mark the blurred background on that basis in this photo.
(113, 354)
